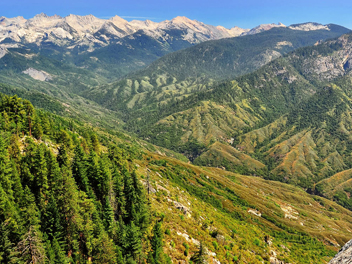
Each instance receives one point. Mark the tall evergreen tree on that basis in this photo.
(79, 170)
(133, 243)
(5, 169)
(157, 243)
(7, 252)
(120, 201)
(108, 214)
(31, 248)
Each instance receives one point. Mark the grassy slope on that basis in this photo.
(220, 200)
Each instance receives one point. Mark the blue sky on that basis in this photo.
(245, 13)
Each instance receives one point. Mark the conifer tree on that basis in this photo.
(63, 157)
(104, 250)
(131, 198)
(40, 173)
(103, 179)
(157, 243)
(133, 243)
(119, 257)
(95, 143)
(29, 109)
(14, 148)
(51, 222)
(79, 170)
(5, 121)
(60, 256)
(31, 248)
(108, 215)
(119, 194)
(5, 169)
(200, 256)
(7, 252)
(16, 183)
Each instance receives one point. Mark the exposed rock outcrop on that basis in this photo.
(38, 75)
(344, 256)
(3, 52)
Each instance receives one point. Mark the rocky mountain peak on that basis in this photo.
(4, 21)
(264, 27)
(181, 19)
(41, 15)
(86, 30)
(118, 20)
(309, 26)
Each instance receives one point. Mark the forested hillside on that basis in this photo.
(64, 197)
(194, 69)
(73, 194)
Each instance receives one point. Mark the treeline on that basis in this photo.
(66, 198)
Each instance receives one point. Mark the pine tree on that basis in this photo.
(5, 121)
(108, 214)
(104, 250)
(63, 157)
(7, 252)
(29, 109)
(60, 256)
(103, 179)
(40, 173)
(79, 170)
(31, 247)
(27, 163)
(37, 130)
(14, 148)
(142, 209)
(133, 243)
(51, 220)
(93, 171)
(157, 243)
(95, 143)
(131, 198)
(119, 194)
(16, 183)
(5, 169)
(200, 256)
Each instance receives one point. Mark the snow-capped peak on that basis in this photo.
(263, 27)
(309, 26)
(75, 30)
(233, 32)
(118, 20)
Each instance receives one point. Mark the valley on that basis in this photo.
(173, 141)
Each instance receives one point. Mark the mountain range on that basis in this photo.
(115, 47)
(242, 139)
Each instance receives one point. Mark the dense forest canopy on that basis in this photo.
(64, 197)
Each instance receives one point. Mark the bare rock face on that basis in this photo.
(344, 256)
(38, 75)
(329, 66)
(309, 26)
(3, 52)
